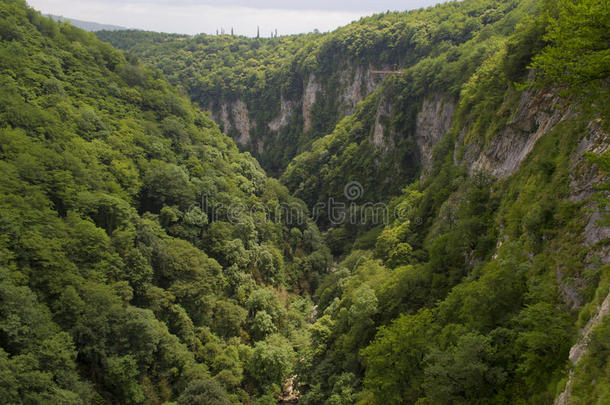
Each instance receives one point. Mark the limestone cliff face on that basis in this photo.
(287, 108)
(433, 121)
(536, 114)
(242, 122)
(310, 94)
(223, 117)
(384, 112)
(584, 179)
(349, 85)
(356, 84)
(234, 116)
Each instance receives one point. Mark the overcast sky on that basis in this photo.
(206, 16)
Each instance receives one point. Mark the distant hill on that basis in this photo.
(87, 25)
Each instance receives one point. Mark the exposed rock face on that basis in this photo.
(356, 84)
(584, 177)
(235, 115)
(242, 122)
(536, 114)
(310, 95)
(583, 181)
(384, 112)
(352, 85)
(224, 117)
(580, 348)
(287, 108)
(433, 121)
(290, 394)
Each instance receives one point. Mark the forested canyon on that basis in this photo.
(410, 209)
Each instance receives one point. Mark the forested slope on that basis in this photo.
(122, 277)
(479, 293)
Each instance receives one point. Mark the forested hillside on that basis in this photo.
(464, 256)
(122, 277)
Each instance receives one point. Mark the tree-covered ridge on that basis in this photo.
(229, 66)
(122, 277)
(264, 72)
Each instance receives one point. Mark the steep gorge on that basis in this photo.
(452, 123)
(503, 237)
(145, 259)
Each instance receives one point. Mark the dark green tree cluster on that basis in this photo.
(577, 57)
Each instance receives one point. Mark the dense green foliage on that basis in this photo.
(122, 278)
(144, 259)
(348, 154)
(577, 56)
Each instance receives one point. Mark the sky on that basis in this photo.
(207, 16)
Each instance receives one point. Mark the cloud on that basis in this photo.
(192, 17)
